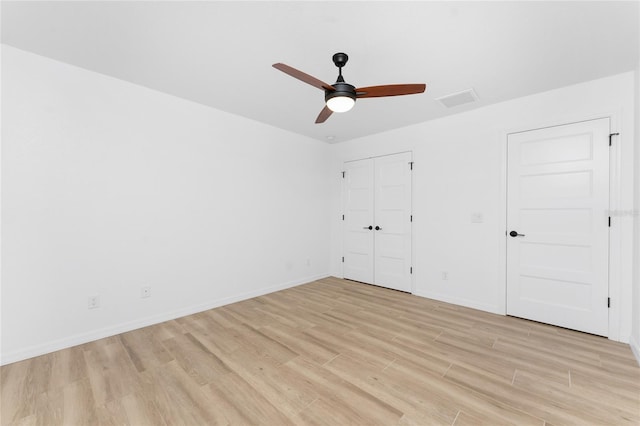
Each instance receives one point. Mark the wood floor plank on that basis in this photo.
(589, 403)
(17, 393)
(242, 404)
(327, 353)
(178, 398)
(67, 366)
(165, 330)
(131, 410)
(605, 384)
(144, 349)
(198, 323)
(537, 404)
(364, 407)
(283, 389)
(393, 349)
(256, 341)
(416, 401)
(31, 420)
(111, 372)
(202, 365)
(560, 361)
(465, 419)
(472, 403)
(72, 404)
(79, 404)
(477, 352)
(300, 343)
(352, 344)
(322, 412)
(222, 341)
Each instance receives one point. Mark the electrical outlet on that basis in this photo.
(145, 292)
(445, 275)
(94, 302)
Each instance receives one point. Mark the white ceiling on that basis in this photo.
(220, 53)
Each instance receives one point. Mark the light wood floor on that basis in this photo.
(331, 352)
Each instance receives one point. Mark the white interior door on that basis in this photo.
(358, 221)
(392, 226)
(377, 221)
(557, 205)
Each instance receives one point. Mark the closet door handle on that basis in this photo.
(368, 227)
(378, 228)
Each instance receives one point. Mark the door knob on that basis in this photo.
(378, 228)
(368, 227)
(515, 234)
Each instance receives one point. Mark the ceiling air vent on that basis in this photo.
(459, 98)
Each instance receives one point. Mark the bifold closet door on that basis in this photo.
(358, 221)
(377, 205)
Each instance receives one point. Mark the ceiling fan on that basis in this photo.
(341, 96)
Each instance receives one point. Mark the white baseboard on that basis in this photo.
(461, 301)
(635, 348)
(78, 339)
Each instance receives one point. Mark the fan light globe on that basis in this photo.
(340, 103)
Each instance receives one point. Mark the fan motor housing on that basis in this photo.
(342, 89)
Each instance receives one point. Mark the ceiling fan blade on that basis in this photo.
(303, 76)
(324, 114)
(389, 90)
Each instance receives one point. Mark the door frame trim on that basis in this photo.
(615, 238)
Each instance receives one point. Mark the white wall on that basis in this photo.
(108, 187)
(459, 169)
(635, 336)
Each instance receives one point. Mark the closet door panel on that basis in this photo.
(358, 217)
(392, 213)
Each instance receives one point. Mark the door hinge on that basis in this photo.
(411, 165)
(608, 302)
(342, 217)
(612, 135)
(411, 218)
(343, 175)
(342, 259)
(411, 269)
(609, 221)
